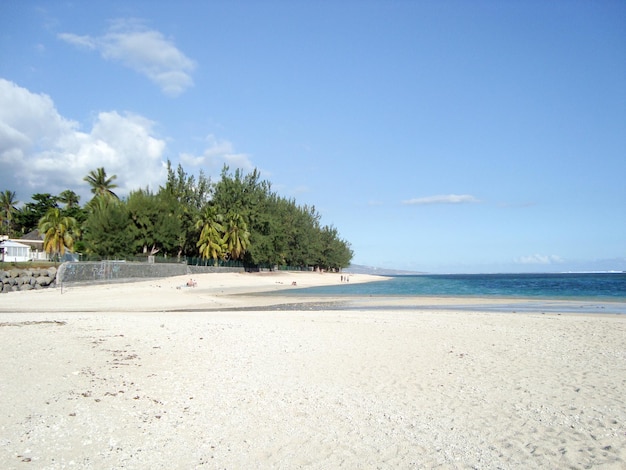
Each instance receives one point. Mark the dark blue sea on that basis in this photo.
(606, 291)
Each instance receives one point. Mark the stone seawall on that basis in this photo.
(98, 272)
(27, 279)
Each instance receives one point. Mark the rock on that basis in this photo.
(17, 279)
(43, 281)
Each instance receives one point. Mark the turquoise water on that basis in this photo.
(606, 286)
(607, 291)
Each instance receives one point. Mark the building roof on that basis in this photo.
(33, 236)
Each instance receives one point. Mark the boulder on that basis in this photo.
(43, 281)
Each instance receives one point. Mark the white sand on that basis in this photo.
(100, 377)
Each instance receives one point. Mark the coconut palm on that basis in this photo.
(236, 235)
(58, 232)
(8, 207)
(69, 198)
(100, 184)
(211, 242)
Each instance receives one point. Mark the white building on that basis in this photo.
(35, 241)
(14, 252)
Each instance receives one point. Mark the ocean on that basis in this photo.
(602, 292)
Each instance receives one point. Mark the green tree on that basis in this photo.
(268, 241)
(106, 230)
(100, 184)
(73, 209)
(211, 241)
(155, 224)
(236, 235)
(8, 207)
(69, 198)
(280, 231)
(335, 253)
(247, 195)
(186, 189)
(27, 219)
(186, 196)
(58, 232)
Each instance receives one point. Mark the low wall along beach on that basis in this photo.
(98, 272)
(27, 279)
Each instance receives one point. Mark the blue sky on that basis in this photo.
(439, 136)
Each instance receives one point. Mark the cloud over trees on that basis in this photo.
(145, 51)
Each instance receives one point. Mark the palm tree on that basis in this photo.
(100, 184)
(211, 240)
(69, 198)
(58, 231)
(7, 208)
(236, 235)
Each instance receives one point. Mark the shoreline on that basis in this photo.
(272, 290)
(211, 291)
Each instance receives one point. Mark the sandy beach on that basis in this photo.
(157, 375)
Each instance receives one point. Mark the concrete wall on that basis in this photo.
(212, 269)
(119, 271)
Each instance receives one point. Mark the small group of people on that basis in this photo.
(345, 278)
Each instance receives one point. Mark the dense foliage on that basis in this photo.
(237, 218)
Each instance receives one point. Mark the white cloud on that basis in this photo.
(80, 41)
(41, 151)
(442, 199)
(142, 50)
(216, 154)
(539, 259)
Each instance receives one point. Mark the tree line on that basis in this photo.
(237, 218)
